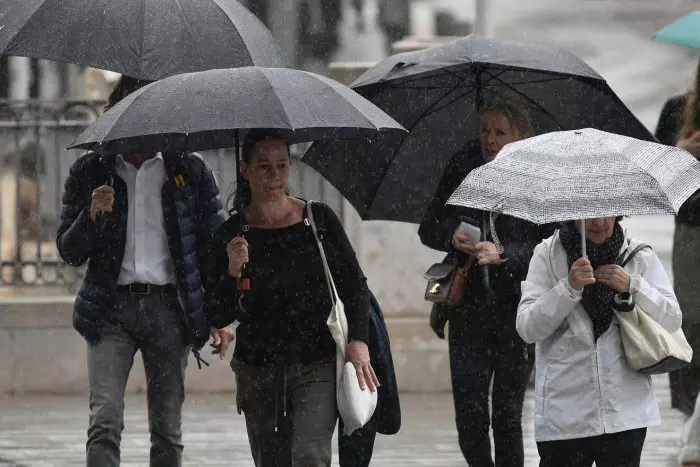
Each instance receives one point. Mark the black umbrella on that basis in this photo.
(145, 39)
(436, 93)
(215, 108)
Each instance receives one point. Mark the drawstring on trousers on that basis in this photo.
(284, 397)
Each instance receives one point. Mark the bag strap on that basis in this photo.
(639, 248)
(326, 269)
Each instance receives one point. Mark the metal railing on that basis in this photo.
(34, 163)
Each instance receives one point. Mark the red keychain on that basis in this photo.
(243, 283)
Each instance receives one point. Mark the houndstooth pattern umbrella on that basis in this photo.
(581, 174)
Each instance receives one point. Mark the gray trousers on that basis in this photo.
(290, 413)
(154, 325)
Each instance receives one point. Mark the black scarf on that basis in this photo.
(597, 298)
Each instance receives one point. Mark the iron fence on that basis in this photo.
(34, 162)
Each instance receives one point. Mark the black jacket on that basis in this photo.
(518, 237)
(388, 406)
(192, 213)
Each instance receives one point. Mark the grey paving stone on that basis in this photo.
(38, 431)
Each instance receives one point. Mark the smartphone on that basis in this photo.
(471, 230)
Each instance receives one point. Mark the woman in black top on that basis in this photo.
(284, 358)
(484, 345)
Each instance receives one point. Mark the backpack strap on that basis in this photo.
(623, 263)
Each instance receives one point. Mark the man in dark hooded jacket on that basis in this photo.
(142, 223)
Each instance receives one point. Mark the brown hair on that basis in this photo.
(691, 117)
(517, 116)
(125, 86)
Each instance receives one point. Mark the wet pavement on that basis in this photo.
(48, 431)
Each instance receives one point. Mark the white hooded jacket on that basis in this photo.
(583, 387)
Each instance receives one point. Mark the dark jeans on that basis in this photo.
(152, 324)
(480, 352)
(685, 383)
(290, 413)
(612, 450)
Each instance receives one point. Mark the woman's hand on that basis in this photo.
(581, 274)
(614, 277)
(222, 338)
(237, 251)
(462, 242)
(487, 253)
(358, 354)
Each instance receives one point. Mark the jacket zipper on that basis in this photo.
(595, 345)
(600, 388)
(183, 311)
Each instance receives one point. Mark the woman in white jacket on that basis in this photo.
(591, 406)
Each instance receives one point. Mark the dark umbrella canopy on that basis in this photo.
(145, 39)
(215, 108)
(436, 93)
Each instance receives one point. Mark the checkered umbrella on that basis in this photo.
(581, 174)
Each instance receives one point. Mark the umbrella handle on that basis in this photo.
(583, 238)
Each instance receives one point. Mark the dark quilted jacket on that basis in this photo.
(192, 213)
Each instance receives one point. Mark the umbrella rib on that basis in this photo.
(437, 109)
(36, 10)
(238, 31)
(530, 100)
(403, 138)
(539, 81)
(143, 36)
(189, 30)
(106, 139)
(435, 72)
(446, 70)
(279, 101)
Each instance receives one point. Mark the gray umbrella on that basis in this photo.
(215, 108)
(581, 174)
(145, 39)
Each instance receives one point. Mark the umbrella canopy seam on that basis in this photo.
(40, 5)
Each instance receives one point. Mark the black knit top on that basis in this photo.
(283, 318)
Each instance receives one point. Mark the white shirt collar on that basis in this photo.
(121, 161)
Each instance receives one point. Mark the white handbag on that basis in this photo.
(649, 348)
(355, 406)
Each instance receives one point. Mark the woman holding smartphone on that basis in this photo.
(483, 342)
